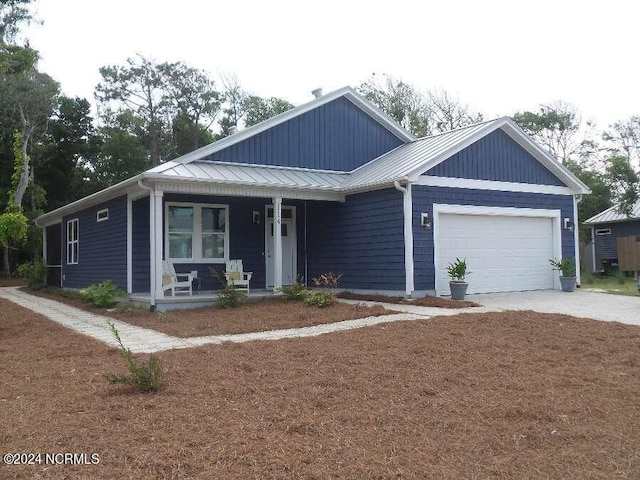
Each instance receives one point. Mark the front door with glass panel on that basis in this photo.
(288, 233)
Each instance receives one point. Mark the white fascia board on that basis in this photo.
(455, 182)
(347, 92)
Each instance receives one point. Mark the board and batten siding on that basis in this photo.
(336, 136)
(102, 253)
(606, 246)
(361, 239)
(424, 197)
(496, 157)
(141, 246)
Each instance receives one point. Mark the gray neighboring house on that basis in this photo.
(606, 227)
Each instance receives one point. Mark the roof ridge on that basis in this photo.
(273, 167)
(471, 125)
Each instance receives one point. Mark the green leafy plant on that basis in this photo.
(295, 292)
(566, 266)
(319, 298)
(228, 296)
(34, 272)
(103, 295)
(145, 377)
(457, 271)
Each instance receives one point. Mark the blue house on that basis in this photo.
(332, 185)
(606, 228)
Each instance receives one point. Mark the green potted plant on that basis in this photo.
(567, 269)
(457, 273)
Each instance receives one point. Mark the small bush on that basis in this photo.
(145, 377)
(103, 295)
(327, 280)
(229, 297)
(35, 273)
(295, 292)
(318, 298)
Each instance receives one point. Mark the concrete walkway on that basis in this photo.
(143, 340)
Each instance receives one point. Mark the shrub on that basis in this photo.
(229, 297)
(566, 266)
(327, 280)
(34, 272)
(457, 271)
(103, 295)
(295, 292)
(145, 377)
(318, 298)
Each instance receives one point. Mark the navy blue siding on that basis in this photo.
(606, 246)
(102, 246)
(362, 239)
(496, 157)
(425, 197)
(141, 246)
(336, 136)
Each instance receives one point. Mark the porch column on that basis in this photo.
(277, 243)
(157, 238)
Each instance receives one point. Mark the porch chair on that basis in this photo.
(236, 276)
(170, 279)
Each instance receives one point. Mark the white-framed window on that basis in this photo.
(73, 242)
(196, 233)
(102, 215)
(603, 231)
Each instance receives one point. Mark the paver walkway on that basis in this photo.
(143, 340)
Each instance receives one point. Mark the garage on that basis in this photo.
(507, 249)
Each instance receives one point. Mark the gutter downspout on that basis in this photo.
(407, 208)
(576, 235)
(152, 246)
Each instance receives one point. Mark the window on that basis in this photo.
(102, 215)
(603, 231)
(73, 242)
(197, 233)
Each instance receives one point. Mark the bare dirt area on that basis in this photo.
(12, 282)
(494, 395)
(251, 316)
(426, 301)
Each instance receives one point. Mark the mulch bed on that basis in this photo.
(12, 282)
(425, 301)
(506, 395)
(251, 316)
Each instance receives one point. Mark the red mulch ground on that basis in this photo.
(251, 316)
(425, 301)
(495, 395)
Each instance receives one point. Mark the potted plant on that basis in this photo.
(567, 269)
(457, 272)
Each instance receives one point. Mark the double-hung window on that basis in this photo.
(197, 233)
(73, 242)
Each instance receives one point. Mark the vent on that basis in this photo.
(317, 92)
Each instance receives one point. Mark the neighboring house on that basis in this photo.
(350, 192)
(606, 227)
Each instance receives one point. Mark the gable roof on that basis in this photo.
(409, 161)
(610, 215)
(347, 92)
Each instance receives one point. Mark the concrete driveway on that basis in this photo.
(581, 303)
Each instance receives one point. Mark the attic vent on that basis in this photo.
(317, 92)
(233, 130)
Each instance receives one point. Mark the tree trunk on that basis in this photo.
(5, 261)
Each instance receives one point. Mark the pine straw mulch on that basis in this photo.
(251, 316)
(426, 301)
(507, 395)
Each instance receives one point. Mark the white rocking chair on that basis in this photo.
(236, 276)
(170, 279)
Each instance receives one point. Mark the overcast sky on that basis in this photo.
(496, 56)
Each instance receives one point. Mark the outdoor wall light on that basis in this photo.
(425, 221)
(568, 224)
(256, 217)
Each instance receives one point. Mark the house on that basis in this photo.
(348, 191)
(606, 228)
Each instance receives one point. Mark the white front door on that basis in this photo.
(288, 232)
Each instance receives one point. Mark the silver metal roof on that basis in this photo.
(611, 215)
(254, 175)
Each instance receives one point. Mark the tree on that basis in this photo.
(235, 103)
(624, 182)
(140, 87)
(13, 13)
(259, 109)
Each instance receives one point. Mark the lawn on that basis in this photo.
(506, 395)
(615, 284)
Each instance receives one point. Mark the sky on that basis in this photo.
(498, 57)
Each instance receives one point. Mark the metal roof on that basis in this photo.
(610, 215)
(254, 175)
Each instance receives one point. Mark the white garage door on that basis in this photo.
(504, 253)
